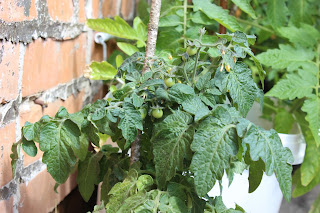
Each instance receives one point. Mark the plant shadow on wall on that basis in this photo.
(187, 108)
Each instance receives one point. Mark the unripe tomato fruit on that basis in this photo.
(191, 50)
(157, 113)
(169, 82)
(143, 112)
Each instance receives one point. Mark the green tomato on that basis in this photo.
(143, 112)
(169, 82)
(191, 50)
(157, 113)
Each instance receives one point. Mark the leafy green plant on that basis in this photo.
(288, 43)
(184, 151)
(189, 116)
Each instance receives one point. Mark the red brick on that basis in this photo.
(6, 206)
(110, 8)
(127, 9)
(82, 11)
(61, 10)
(35, 112)
(7, 138)
(48, 63)
(13, 10)
(95, 8)
(9, 71)
(38, 195)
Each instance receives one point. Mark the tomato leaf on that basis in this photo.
(130, 122)
(88, 171)
(245, 6)
(171, 138)
(57, 141)
(217, 13)
(214, 145)
(267, 146)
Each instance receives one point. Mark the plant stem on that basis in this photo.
(270, 107)
(185, 22)
(185, 72)
(195, 66)
(318, 74)
(256, 25)
(150, 50)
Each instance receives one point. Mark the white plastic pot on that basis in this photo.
(267, 197)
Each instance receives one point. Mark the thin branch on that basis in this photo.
(150, 50)
(152, 33)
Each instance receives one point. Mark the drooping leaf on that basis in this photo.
(171, 138)
(102, 71)
(170, 21)
(15, 153)
(306, 35)
(310, 166)
(56, 141)
(299, 188)
(312, 108)
(179, 92)
(200, 18)
(88, 171)
(195, 106)
(294, 86)
(240, 84)
(141, 29)
(245, 6)
(117, 27)
(130, 122)
(136, 100)
(29, 147)
(133, 202)
(217, 13)
(91, 131)
(169, 40)
(276, 12)
(214, 145)
(127, 48)
(300, 12)
(119, 60)
(285, 57)
(267, 146)
(283, 121)
(30, 130)
(121, 191)
(255, 174)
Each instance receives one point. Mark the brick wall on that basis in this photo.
(44, 47)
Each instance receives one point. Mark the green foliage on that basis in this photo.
(201, 133)
(120, 28)
(88, 171)
(171, 138)
(246, 7)
(217, 13)
(101, 71)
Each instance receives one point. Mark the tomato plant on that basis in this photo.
(200, 130)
